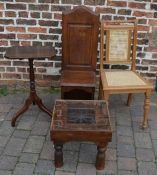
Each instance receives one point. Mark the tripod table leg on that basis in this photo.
(28, 102)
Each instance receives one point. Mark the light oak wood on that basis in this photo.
(122, 81)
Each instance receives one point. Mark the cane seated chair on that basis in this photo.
(120, 48)
(79, 53)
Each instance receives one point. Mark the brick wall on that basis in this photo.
(38, 22)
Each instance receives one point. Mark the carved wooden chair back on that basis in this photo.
(79, 39)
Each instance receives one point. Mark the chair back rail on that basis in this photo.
(121, 40)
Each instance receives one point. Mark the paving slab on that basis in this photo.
(5, 172)
(4, 140)
(63, 173)
(14, 146)
(34, 144)
(18, 133)
(137, 127)
(25, 125)
(2, 116)
(24, 169)
(155, 147)
(40, 128)
(111, 154)
(113, 142)
(27, 147)
(128, 164)
(145, 168)
(47, 151)
(124, 131)
(1, 150)
(86, 169)
(88, 153)
(5, 108)
(6, 129)
(43, 117)
(72, 146)
(125, 150)
(123, 119)
(11, 113)
(142, 140)
(45, 167)
(123, 172)
(145, 155)
(70, 159)
(7, 162)
(110, 168)
(125, 140)
(29, 158)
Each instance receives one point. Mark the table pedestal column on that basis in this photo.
(33, 98)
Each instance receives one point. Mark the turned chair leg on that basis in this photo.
(129, 99)
(58, 155)
(100, 158)
(146, 108)
(106, 97)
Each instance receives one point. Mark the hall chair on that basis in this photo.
(80, 28)
(118, 46)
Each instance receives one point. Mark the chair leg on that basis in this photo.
(100, 95)
(129, 99)
(106, 97)
(146, 108)
(100, 158)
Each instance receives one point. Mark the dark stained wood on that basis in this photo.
(73, 121)
(78, 78)
(30, 53)
(79, 47)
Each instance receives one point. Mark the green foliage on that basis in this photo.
(4, 90)
(54, 90)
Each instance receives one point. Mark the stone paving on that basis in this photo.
(27, 150)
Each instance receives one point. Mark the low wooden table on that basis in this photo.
(76, 120)
(30, 53)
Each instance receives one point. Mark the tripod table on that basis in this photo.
(30, 53)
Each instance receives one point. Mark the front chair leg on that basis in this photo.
(106, 97)
(146, 108)
(129, 99)
(100, 158)
(58, 155)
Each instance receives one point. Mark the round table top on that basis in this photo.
(30, 52)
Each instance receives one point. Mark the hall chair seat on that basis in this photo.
(78, 78)
(125, 78)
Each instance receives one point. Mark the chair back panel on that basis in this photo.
(121, 39)
(80, 38)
